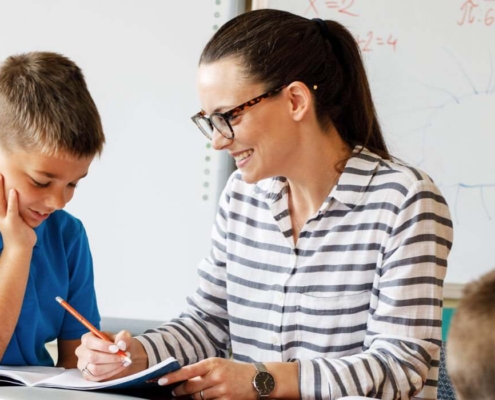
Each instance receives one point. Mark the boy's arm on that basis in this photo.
(67, 353)
(15, 260)
(14, 272)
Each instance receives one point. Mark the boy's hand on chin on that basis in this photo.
(16, 233)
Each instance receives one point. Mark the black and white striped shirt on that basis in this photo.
(357, 301)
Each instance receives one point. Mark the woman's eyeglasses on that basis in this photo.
(221, 121)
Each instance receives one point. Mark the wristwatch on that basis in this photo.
(263, 381)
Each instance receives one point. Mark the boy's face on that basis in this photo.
(44, 183)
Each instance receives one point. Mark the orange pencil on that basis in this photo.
(88, 325)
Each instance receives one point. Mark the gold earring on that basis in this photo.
(315, 87)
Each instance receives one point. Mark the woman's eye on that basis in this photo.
(234, 118)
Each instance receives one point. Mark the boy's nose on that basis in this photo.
(57, 200)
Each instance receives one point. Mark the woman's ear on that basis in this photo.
(301, 100)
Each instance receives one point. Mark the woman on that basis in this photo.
(328, 257)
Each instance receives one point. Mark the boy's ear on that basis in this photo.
(301, 100)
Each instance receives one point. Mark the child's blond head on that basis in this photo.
(471, 342)
(45, 105)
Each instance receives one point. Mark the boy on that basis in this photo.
(471, 342)
(50, 131)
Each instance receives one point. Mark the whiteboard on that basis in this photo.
(431, 66)
(148, 204)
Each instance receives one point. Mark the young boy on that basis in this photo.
(50, 131)
(471, 342)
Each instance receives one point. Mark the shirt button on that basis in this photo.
(280, 296)
(274, 340)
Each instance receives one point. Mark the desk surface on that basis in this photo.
(24, 392)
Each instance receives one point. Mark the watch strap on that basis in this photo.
(260, 367)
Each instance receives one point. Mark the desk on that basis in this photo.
(24, 392)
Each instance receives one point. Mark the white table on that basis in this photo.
(33, 393)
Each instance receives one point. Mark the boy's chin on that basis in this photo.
(32, 222)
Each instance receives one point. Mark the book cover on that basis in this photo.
(73, 379)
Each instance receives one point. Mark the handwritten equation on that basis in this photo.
(367, 42)
(477, 12)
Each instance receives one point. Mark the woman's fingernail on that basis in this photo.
(163, 382)
(113, 348)
(126, 363)
(122, 345)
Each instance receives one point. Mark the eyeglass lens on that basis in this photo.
(218, 122)
(221, 125)
(205, 126)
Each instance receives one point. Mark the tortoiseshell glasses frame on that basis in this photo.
(221, 121)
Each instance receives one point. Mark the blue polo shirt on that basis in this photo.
(61, 266)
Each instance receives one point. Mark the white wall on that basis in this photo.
(145, 205)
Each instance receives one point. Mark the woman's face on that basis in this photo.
(262, 145)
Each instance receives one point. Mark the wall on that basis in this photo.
(148, 203)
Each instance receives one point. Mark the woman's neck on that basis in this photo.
(316, 172)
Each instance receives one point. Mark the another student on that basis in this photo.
(50, 131)
(471, 342)
(328, 257)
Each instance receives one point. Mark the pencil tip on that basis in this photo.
(59, 299)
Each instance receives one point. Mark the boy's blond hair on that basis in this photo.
(45, 105)
(471, 341)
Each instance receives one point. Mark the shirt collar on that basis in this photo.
(350, 188)
(356, 177)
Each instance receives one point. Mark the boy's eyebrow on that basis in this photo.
(54, 176)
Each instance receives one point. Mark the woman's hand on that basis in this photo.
(214, 378)
(98, 361)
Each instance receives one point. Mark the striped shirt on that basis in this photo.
(357, 301)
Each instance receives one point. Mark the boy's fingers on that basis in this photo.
(12, 205)
(3, 200)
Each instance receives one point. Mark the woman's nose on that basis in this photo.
(218, 141)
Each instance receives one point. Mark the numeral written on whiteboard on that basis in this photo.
(342, 6)
(370, 41)
(477, 12)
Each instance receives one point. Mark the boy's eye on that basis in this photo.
(39, 184)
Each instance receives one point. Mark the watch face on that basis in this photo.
(264, 383)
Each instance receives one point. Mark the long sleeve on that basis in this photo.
(403, 332)
(356, 301)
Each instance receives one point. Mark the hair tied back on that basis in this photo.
(325, 32)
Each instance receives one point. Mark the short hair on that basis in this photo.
(470, 344)
(276, 48)
(45, 105)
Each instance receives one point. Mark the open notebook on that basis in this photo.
(72, 378)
